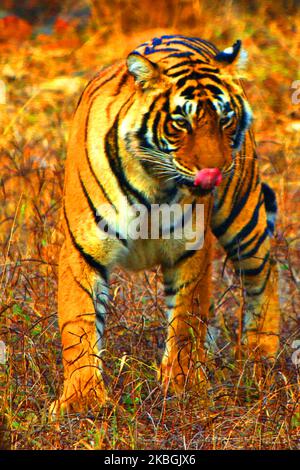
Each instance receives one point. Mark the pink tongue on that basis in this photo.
(208, 178)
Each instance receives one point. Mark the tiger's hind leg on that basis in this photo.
(81, 293)
(261, 313)
(247, 243)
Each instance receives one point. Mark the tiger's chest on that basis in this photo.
(163, 237)
(145, 254)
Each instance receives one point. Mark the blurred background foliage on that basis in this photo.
(134, 14)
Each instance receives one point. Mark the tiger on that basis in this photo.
(170, 124)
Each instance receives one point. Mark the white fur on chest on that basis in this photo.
(145, 254)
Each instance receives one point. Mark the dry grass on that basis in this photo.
(44, 77)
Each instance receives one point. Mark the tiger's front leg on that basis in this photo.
(187, 289)
(82, 301)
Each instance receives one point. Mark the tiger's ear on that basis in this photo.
(144, 71)
(232, 55)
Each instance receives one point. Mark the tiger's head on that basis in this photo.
(189, 115)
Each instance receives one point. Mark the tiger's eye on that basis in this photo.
(181, 122)
(224, 120)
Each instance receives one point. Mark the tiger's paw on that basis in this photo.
(171, 378)
(57, 409)
(77, 402)
(262, 345)
(180, 378)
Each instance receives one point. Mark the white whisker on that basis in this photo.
(174, 177)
